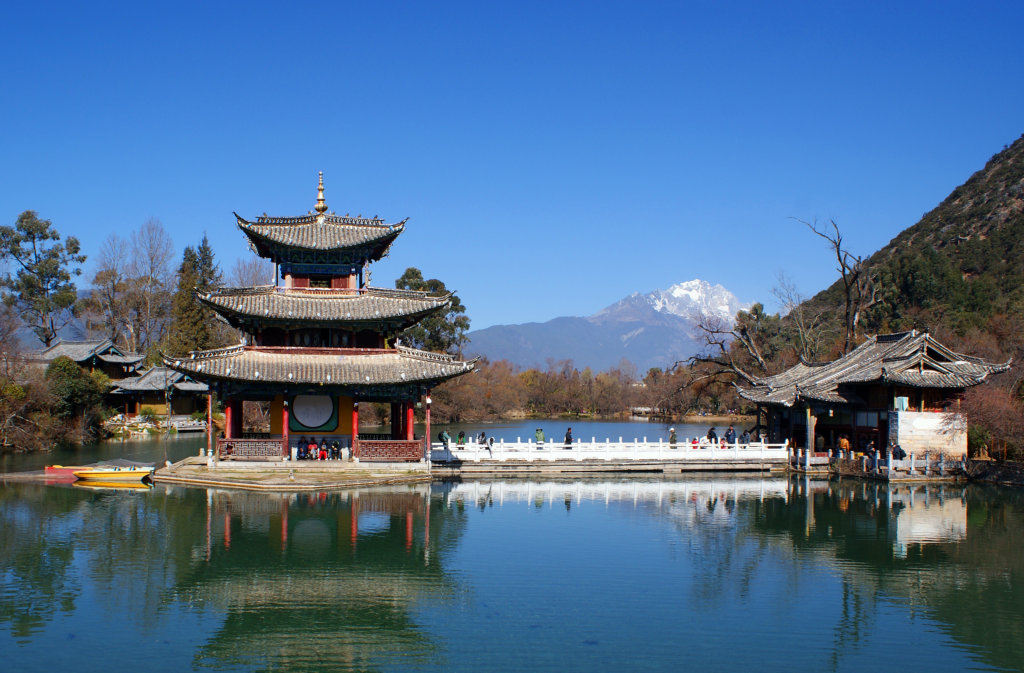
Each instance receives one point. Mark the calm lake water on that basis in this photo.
(577, 575)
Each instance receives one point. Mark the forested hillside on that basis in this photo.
(961, 265)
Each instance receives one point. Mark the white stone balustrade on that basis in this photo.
(640, 450)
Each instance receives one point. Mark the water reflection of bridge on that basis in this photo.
(501, 492)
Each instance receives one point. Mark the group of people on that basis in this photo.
(728, 439)
(482, 439)
(311, 450)
(538, 436)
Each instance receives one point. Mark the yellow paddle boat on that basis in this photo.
(114, 474)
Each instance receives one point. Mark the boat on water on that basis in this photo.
(114, 473)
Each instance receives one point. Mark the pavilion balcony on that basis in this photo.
(386, 450)
(251, 448)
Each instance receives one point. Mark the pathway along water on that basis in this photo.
(588, 575)
(157, 449)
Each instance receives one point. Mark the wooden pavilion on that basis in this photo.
(320, 340)
(902, 388)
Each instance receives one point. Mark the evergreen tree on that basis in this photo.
(441, 332)
(41, 290)
(193, 326)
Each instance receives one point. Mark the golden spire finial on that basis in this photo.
(321, 204)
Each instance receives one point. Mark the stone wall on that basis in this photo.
(928, 432)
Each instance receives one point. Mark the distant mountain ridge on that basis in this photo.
(655, 329)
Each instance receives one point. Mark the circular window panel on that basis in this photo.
(313, 410)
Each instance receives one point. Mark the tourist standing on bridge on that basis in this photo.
(539, 436)
(568, 438)
(730, 436)
(672, 437)
(745, 437)
(712, 436)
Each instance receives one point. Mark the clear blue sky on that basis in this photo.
(552, 157)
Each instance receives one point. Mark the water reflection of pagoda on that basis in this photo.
(319, 581)
(320, 340)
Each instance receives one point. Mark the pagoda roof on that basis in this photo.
(906, 358)
(272, 305)
(345, 238)
(351, 368)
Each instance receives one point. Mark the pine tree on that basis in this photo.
(193, 326)
(41, 291)
(441, 332)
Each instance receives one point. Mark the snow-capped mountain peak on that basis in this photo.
(689, 300)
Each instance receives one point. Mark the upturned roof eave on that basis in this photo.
(376, 245)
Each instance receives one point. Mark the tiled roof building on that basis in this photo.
(320, 340)
(865, 394)
(160, 388)
(99, 354)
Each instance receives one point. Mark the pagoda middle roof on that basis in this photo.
(320, 367)
(320, 232)
(269, 303)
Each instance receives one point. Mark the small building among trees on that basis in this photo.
(902, 388)
(161, 388)
(97, 354)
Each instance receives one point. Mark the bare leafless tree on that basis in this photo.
(150, 270)
(859, 288)
(105, 309)
(808, 321)
(252, 271)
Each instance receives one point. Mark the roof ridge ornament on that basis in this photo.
(321, 203)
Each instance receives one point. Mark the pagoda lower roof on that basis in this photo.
(331, 367)
(271, 305)
(368, 238)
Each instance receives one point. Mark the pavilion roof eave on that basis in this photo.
(349, 369)
(342, 239)
(268, 305)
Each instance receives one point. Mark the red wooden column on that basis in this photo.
(409, 421)
(355, 429)
(284, 428)
(229, 417)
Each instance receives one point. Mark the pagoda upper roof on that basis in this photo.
(328, 367)
(364, 239)
(906, 358)
(272, 305)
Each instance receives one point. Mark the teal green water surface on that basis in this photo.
(723, 574)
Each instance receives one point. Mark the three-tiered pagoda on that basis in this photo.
(320, 340)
